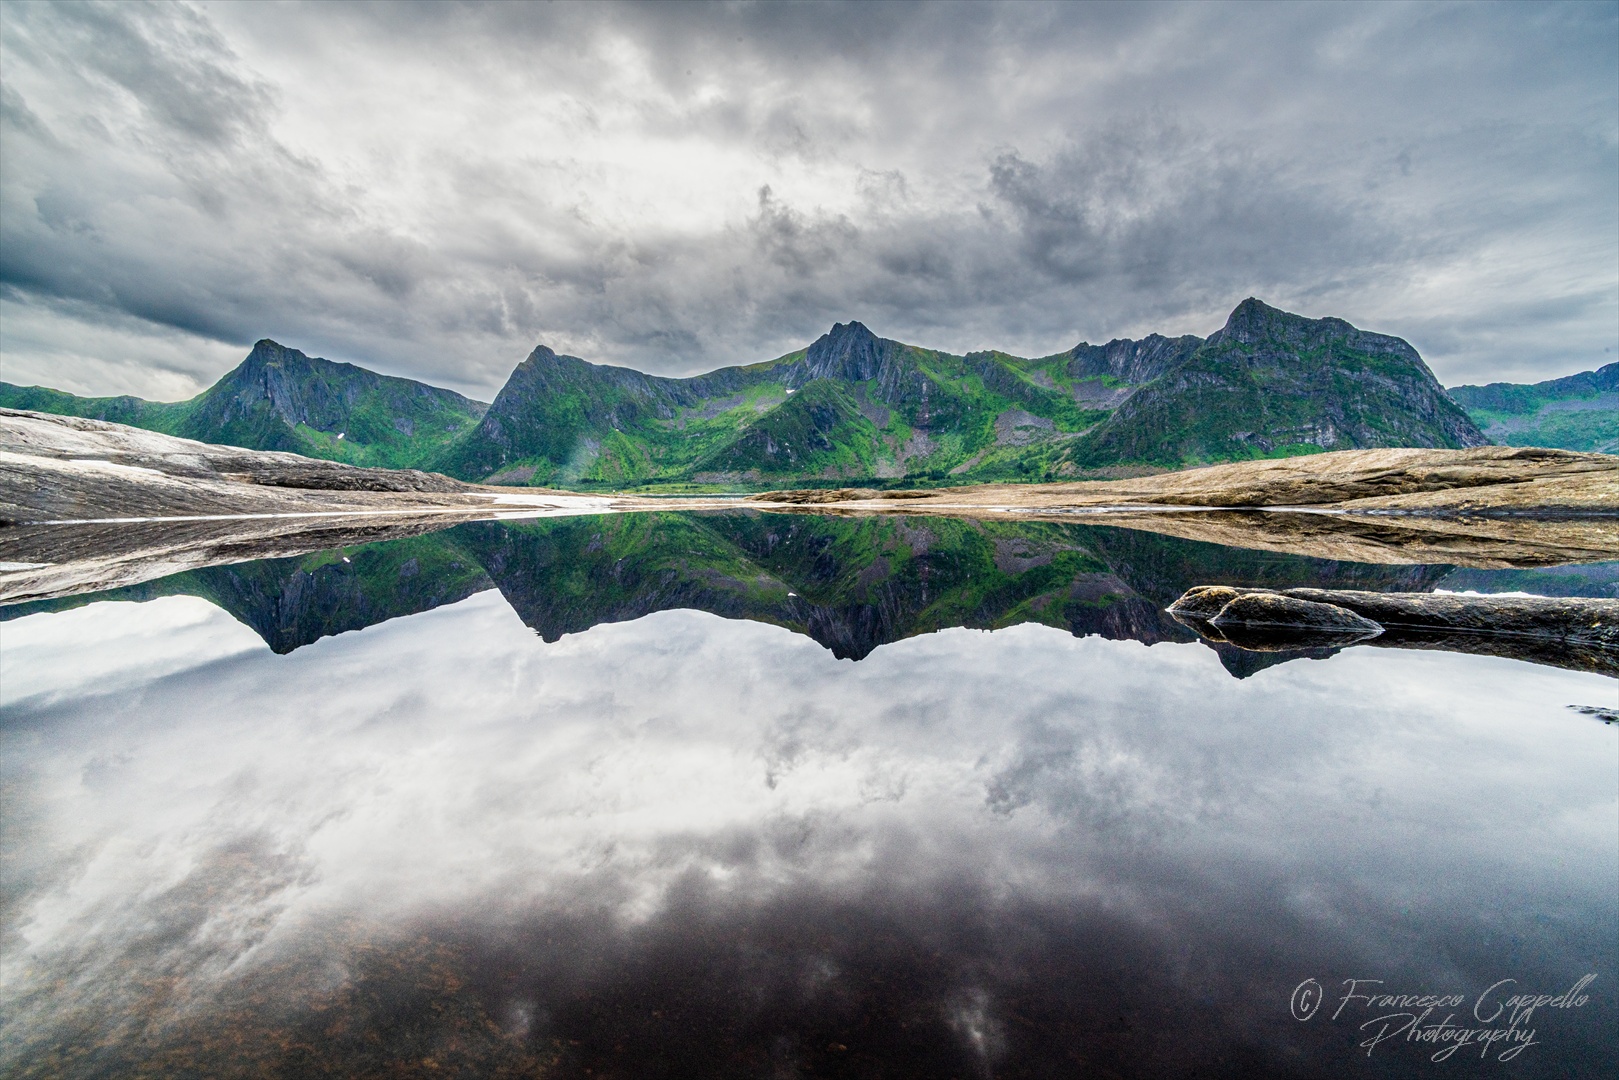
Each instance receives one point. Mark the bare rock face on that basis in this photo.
(67, 467)
(1569, 632)
(73, 438)
(1569, 618)
(1266, 622)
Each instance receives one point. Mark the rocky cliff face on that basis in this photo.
(281, 399)
(1272, 382)
(849, 352)
(1132, 362)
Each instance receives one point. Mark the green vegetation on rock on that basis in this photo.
(855, 408)
(1577, 412)
(852, 409)
(280, 399)
(1271, 384)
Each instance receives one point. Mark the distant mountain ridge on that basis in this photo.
(1576, 412)
(856, 407)
(850, 408)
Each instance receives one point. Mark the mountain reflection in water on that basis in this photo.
(683, 845)
(852, 584)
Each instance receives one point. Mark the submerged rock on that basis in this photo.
(1265, 621)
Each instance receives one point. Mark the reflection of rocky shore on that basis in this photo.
(50, 562)
(1577, 633)
(852, 584)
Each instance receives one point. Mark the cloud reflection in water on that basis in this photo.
(684, 845)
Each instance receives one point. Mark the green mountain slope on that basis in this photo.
(1577, 412)
(164, 416)
(561, 420)
(1271, 383)
(280, 399)
(852, 408)
(820, 432)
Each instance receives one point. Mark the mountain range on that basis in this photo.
(1577, 412)
(856, 408)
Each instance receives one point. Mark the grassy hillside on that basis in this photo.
(161, 416)
(852, 408)
(1274, 384)
(1577, 412)
(280, 399)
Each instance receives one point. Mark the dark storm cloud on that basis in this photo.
(429, 189)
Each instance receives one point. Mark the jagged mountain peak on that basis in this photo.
(294, 364)
(1254, 321)
(267, 351)
(1271, 381)
(847, 351)
(853, 330)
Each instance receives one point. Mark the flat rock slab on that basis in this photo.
(1265, 621)
(1566, 618)
(1570, 632)
(1204, 601)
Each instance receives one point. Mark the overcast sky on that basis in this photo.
(433, 190)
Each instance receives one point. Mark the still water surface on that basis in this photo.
(748, 796)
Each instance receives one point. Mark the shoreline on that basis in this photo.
(89, 505)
